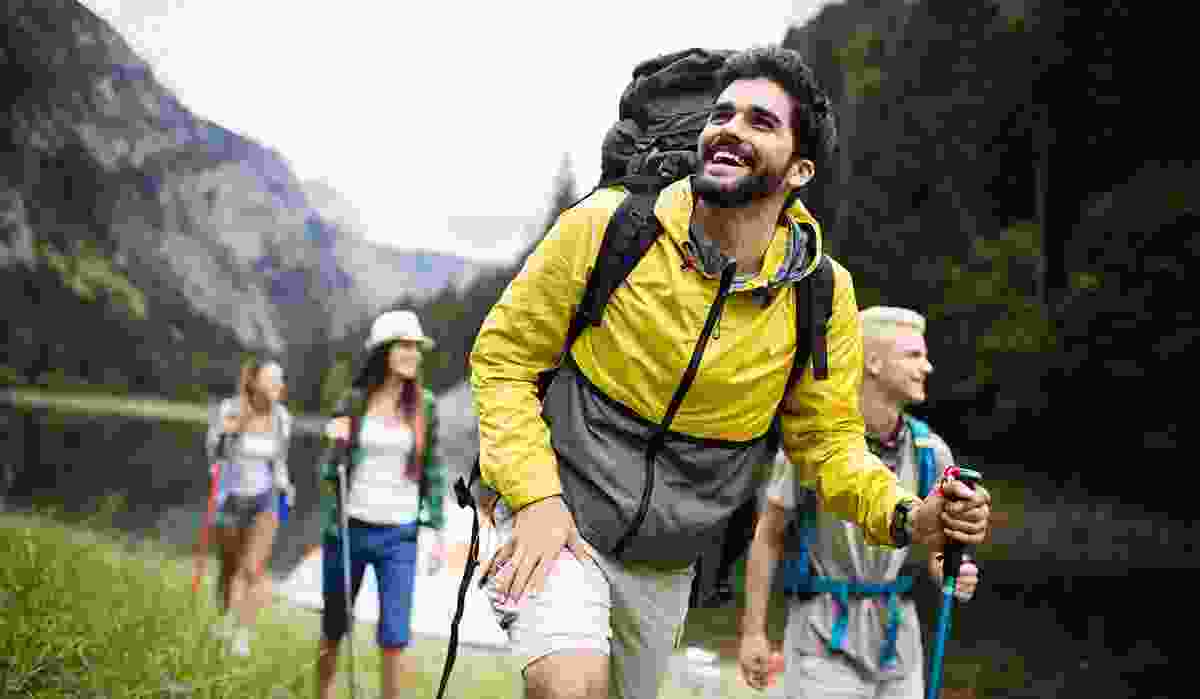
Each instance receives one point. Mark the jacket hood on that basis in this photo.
(794, 251)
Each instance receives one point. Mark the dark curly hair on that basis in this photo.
(813, 128)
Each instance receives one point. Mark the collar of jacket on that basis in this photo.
(793, 253)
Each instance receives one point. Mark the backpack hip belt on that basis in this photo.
(799, 580)
(841, 590)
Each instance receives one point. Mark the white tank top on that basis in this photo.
(250, 463)
(380, 493)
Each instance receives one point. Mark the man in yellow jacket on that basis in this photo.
(593, 604)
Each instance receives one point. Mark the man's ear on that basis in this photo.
(800, 172)
(872, 363)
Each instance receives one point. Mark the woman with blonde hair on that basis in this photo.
(384, 438)
(248, 435)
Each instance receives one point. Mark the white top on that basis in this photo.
(250, 465)
(248, 458)
(380, 493)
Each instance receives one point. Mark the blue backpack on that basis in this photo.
(796, 570)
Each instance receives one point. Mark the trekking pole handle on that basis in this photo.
(953, 550)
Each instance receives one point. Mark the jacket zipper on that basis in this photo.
(659, 437)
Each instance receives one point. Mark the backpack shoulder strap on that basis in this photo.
(352, 406)
(429, 411)
(919, 429)
(355, 428)
(926, 459)
(282, 426)
(630, 232)
(815, 301)
(283, 422)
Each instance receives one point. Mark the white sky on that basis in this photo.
(442, 123)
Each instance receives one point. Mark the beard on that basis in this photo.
(745, 190)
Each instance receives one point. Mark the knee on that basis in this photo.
(328, 646)
(251, 571)
(566, 680)
(327, 654)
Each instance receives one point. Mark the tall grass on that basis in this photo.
(85, 613)
(87, 616)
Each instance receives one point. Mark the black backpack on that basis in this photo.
(660, 117)
(653, 144)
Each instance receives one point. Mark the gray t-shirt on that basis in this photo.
(838, 550)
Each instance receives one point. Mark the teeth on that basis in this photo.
(730, 157)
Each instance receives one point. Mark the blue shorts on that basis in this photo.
(392, 553)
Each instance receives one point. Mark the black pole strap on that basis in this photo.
(462, 493)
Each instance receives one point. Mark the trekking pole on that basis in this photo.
(345, 526)
(953, 553)
(206, 526)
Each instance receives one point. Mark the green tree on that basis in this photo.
(336, 382)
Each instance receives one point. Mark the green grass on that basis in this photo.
(86, 614)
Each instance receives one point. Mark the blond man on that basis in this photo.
(852, 628)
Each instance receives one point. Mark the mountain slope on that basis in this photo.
(188, 234)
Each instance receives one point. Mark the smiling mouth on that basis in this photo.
(723, 155)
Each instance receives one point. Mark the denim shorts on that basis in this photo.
(239, 511)
(392, 553)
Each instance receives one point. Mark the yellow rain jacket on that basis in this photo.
(620, 377)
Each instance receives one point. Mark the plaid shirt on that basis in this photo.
(433, 473)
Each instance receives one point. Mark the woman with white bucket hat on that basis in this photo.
(384, 465)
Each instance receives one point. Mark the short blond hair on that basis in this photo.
(881, 321)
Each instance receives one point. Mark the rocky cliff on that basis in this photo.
(113, 189)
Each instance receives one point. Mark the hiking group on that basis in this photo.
(381, 479)
(677, 345)
(672, 333)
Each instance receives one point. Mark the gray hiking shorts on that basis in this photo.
(634, 615)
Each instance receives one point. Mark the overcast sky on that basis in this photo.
(442, 123)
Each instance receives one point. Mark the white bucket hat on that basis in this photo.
(397, 325)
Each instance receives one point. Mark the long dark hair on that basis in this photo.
(410, 404)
